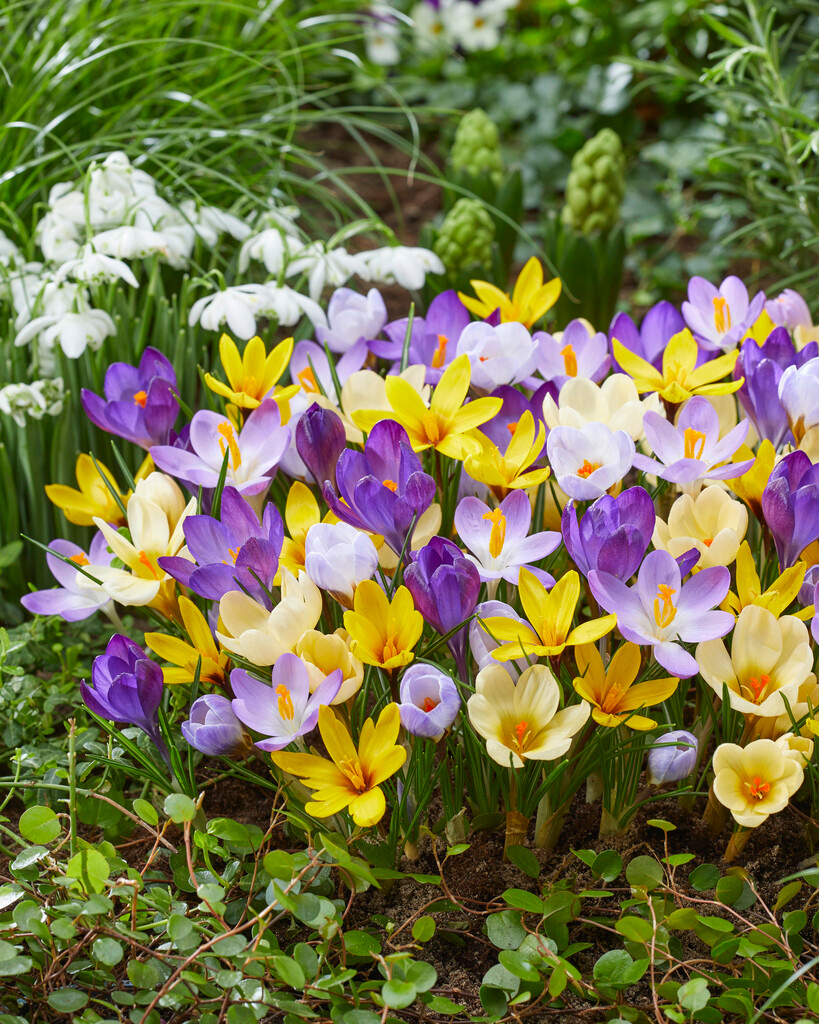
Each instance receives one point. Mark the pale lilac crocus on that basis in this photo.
(588, 461)
(433, 338)
(789, 310)
(213, 728)
(283, 710)
(70, 601)
(429, 701)
(575, 353)
(481, 643)
(254, 452)
(691, 450)
(799, 396)
(672, 757)
(337, 558)
(660, 610)
(351, 318)
(502, 354)
(498, 538)
(720, 317)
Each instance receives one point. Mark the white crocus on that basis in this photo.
(337, 558)
(506, 354)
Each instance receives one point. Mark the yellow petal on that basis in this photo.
(635, 367)
(449, 395)
(231, 361)
(301, 510)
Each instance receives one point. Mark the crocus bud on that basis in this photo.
(337, 558)
(672, 757)
(429, 701)
(320, 440)
(213, 728)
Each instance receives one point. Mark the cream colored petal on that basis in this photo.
(757, 643)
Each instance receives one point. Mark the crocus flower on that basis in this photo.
(126, 688)
(71, 602)
(498, 538)
(483, 645)
(199, 655)
(750, 486)
(444, 585)
(320, 440)
(720, 317)
(756, 781)
(504, 424)
(660, 610)
(770, 660)
(790, 504)
(776, 598)
(253, 375)
(383, 632)
(235, 552)
(301, 512)
(799, 396)
(659, 325)
(522, 721)
(530, 298)
(213, 728)
(446, 424)
(672, 757)
(323, 653)
(337, 558)
(429, 701)
(713, 523)
(789, 310)
(576, 352)
(94, 499)
(692, 449)
(140, 402)
(502, 354)
(310, 370)
(351, 318)
(253, 453)
(512, 468)
(588, 461)
(550, 615)
(382, 489)
(285, 709)
(763, 368)
(611, 690)
(614, 403)
(433, 340)
(352, 777)
(612, 535)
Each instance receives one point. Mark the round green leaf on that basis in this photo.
(608, 865)
(423, 929)
(398, 994)
(644, 873)
(67, 1000)
(147, 812)
(704, 876)
(90, 869)
(729, 889)
(179, 808)
(107, 951)
(39, 824)
(422, 976)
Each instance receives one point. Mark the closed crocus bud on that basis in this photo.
(212, 728)
(320, 440)
(429, 701)
(672, 757)
(337, 558)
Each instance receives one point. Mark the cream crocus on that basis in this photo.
(713, 523)
(614, 403)
(261, 636)
(756, 781)
(155, 514)
(522, 721)
(800, 748)
(769, 662)
(324, 653)
(365, 389)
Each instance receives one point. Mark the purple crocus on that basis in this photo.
(127, 688)
(71, 601)
(433, 340)
(429, 701)
(351, 318)
(661, 610)
(235, 552)
(444, 585)
(691, 450)
(720, 317)
(254, 452)
(501, 428)
(576, 353)
(285, 709)
(659, 325)
(790, 505)
(789, 310)
(320, 440)
(613, 535)
(381, 489)
(763, 368)
(798, 394)
(140, 401)
(672, 757)
(213, 728)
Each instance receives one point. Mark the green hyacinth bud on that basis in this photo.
(476, 149)
(466, 236)
(596, 185)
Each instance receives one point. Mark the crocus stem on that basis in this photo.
(72, 785)
(516, 823)
(736, 844)
(714, 816)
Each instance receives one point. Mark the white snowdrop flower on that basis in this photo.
(288, 306)
(74, 332)
(209, 222)
(58, 237)
(17, 400)
(475, 26)
(129, 242)
(52, 391)
(116, 174)
(93, 267)
(238, 307)
(8, 250)
(42, 295)
(332, 267)
(273, 246)
(405, 265)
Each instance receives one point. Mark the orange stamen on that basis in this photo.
(439, 356)
(569, 361)
(521, 730)
(512, 427)
(497, 537)
(140, 398)
(430, 704)
(391, 485)
(759, 788)
(145, 560)
(722, 314)
(80, 558)
(587, 468)
(664, 610)
(354, 772)
(307, 379)
(759, 686)
(429, 421)
(286, 709)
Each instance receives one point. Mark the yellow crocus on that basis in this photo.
(301, 511)
(530, 298)
(446, 424)
(779, 595)
(184, 656)
(351, 777)
(511, 469)
(93, 500)
(681, 377)
(751, 484)
(551, 615)
(383, 632)
(254, 374)
(611, 691)
(761, 329)
(322, 654)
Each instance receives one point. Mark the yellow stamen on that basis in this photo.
(391, 485)
(79, 558)
(307, 379)
(140, 398)
(431, 428)
(439, 356)
(497, 537)
(722, 314)
(391, 648)
(352, 769)
(226, 430)
(694, 443)
(757, 787)
(569, 361)
(665, 612)
(286, 709)
(587, 468)
(146, 561)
